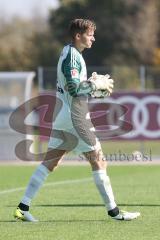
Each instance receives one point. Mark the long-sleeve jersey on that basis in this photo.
(71, 83)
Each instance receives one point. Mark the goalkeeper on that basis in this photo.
(72, 127)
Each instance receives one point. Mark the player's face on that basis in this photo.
(86, 39)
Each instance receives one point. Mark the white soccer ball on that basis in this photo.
(138, 156)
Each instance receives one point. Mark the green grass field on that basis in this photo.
(69, 207)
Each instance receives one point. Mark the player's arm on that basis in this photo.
(71, 68)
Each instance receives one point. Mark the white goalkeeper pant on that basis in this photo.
(70, 140)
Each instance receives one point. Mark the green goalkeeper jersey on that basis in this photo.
(71, 72)
(71, 83)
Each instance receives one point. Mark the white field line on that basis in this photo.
(12, 190)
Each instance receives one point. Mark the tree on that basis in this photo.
(124, 34)
(14, 44)
(127, 33)
(24, 45)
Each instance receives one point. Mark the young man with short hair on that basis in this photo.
(72, 130)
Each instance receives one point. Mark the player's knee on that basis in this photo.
(97, 165)
(96, 159)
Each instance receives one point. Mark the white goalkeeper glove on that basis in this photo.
(101, 82)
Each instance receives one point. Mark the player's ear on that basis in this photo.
(77, 36)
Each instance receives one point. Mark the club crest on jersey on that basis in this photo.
(74, 73)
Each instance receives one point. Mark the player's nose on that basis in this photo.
(93, 39)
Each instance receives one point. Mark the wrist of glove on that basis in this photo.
(101, 82)
(100, 94)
